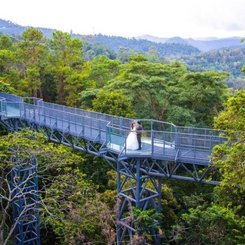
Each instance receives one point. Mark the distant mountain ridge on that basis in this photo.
(203, 45)
(226, 54)
(10, 28)
(112, 42)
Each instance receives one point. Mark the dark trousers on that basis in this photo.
(139, 140)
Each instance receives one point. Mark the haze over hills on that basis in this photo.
(207, 44)
(226, 54)
(114, 43)
(10, 28)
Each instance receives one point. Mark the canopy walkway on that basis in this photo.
(168, 151)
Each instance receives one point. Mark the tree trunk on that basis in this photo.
(1, 236)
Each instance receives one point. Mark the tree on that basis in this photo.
(66, 60)
(7, 59)
(113, 103)
(145, 221)
(94, 76)
(233, 117)
(26, 144)
(230, 157)
(6, 88)
(211, 225)
(31, 52)
(147, 85)
(5, 42)
(71, 208)
(16, 177)
(202, 94)
(153, 55)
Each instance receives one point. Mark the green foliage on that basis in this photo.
(170, 208)
(181, 116)
(95, 75)
(233, 117)
(153, 56)
(95, 169)
(31, 54)
(203, 94)
(143, 46)
(230, 161)
(5, 42)
(146, 85)
(229, 59)
(66, 60)
(92, 50)
(6, 88)
(230, 157)
(214, 225)
(124, 54)
(113, 103)
(71, 206)
(146, 220)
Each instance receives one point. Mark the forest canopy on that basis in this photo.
(78, 190)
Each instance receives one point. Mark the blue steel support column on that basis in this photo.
(133, 191)
(138, 184)
(24, 183)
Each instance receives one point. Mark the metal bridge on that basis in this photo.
(168, 151)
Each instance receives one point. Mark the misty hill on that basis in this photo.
(13, 29)
(203, 45)
(231, 60)
(111, 42)
(143, 46)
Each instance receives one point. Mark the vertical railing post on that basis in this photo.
(138, 184)
(152, 142)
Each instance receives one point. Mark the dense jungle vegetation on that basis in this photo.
(78, 191)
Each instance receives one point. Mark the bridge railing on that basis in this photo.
(15, 110)
(122, 121)
(11, 97)
(2, 106)
(158, 138)
(202, 131)
(173, 145)
(189, 146)
(155, 125)
(32, 100)
(65, 122)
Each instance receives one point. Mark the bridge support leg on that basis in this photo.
(136, 190)
(24, 185)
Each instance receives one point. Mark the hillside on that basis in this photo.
(10, 28)
(203, 45)
(223, 54)
(229, 59)
(112, 42)
(143, 46)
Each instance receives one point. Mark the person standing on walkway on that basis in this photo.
(132, 140)
(139, 130)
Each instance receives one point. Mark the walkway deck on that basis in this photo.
(160, 140)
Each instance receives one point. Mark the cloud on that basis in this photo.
(163, 18)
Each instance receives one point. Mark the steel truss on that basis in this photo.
(24, 190)
(180, 170)
(138, 179)
(137, 189)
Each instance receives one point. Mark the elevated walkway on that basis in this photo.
(168, 151)
(160, 140)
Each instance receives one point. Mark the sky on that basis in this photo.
(132, 18)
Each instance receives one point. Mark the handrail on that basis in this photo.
(158, 137)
